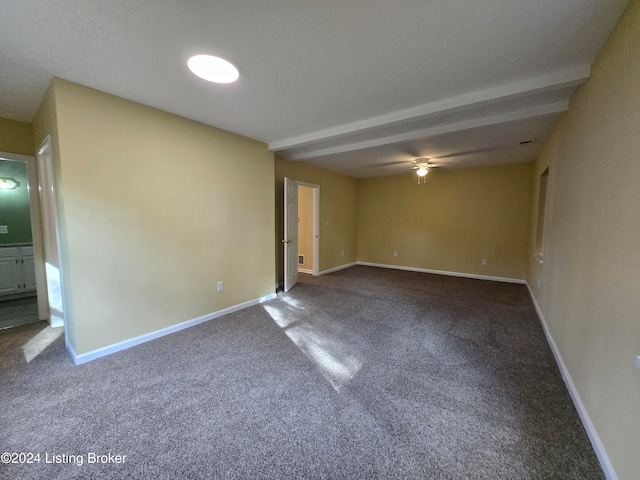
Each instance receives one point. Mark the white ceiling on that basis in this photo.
(357, 86)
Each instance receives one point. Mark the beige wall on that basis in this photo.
(450, 223)
(16, 137)
(157, 209)
(590, 280)
(305, 226)
(338, 213)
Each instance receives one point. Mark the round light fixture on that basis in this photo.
(422, 171)
(9, 184)
(213, 69)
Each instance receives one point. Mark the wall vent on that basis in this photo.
(300, 259)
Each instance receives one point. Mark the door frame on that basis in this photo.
(316, 225)
(52, 258)
(36, 230)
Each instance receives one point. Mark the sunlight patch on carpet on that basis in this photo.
(333, 357)
(40, 342)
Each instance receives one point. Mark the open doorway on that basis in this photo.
(306, 250)
(21, 299)
(301, 230)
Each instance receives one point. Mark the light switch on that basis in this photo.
(4, 229)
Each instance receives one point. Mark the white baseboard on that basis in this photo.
(444, 272)
(132, 342)
(599, 449)
(305, 270)
(71, 351)
(55, 321)
(336, 269)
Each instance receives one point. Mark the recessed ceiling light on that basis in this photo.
(213, 69)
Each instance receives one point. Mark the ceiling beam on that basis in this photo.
(486, 121)
(569, 77)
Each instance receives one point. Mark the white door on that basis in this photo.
(29, 266)
(290, 233)
(8, 272)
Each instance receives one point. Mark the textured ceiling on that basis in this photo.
(343, 84)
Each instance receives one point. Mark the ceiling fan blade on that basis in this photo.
(386, 164)
(409, 152)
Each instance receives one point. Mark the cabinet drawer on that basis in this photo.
(9, 252)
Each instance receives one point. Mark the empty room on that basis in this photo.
(320, 239)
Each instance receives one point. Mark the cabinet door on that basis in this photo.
(29, 273)
(8, 275)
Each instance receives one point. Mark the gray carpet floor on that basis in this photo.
(364, 373)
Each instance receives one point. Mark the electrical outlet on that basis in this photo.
(484, 261)
(342, 253)
(395, 253)
(220, 286)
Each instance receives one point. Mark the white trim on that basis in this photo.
(52, 253)
(15, 157)
(305, 270)
(316, 230)
(132, 342)
(72, 352)
(443, 272)
(336, 269)
(316, 226)
(596, 443)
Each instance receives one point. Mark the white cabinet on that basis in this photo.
(17, 270)
(8, 272)
(29, 271)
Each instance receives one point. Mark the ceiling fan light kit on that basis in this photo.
(422, 169)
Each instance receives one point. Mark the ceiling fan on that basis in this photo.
(422, 165)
